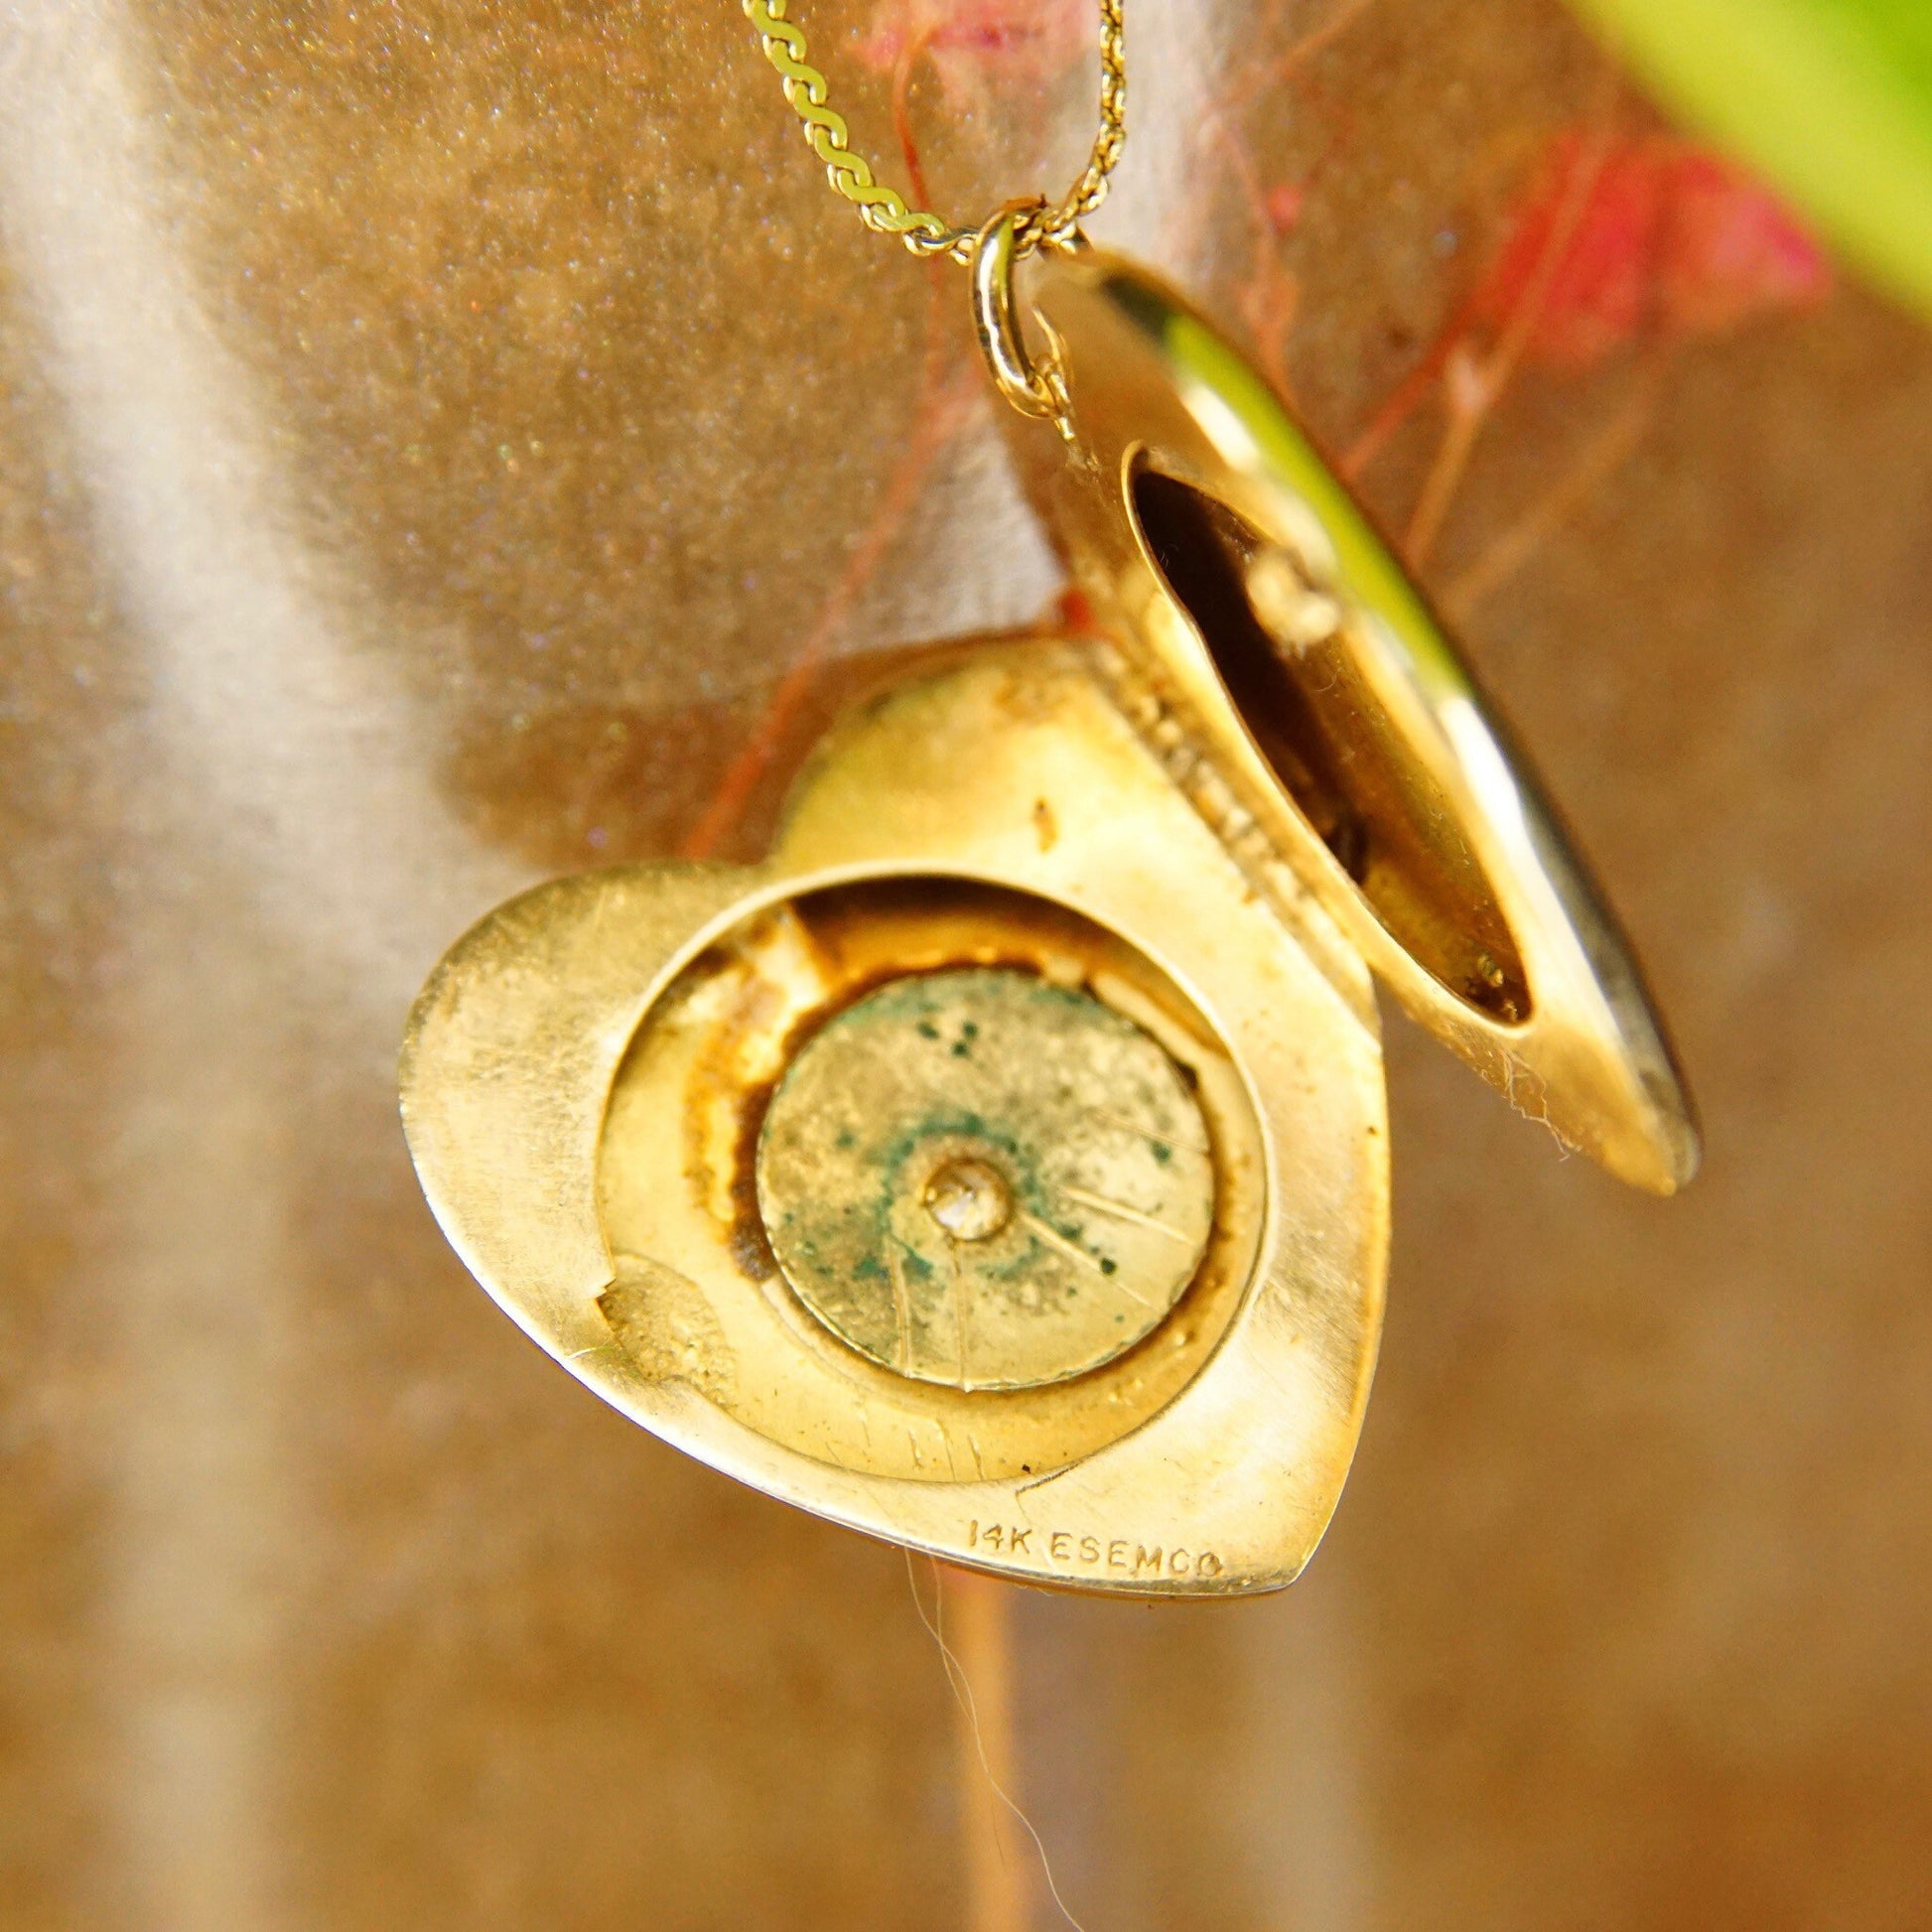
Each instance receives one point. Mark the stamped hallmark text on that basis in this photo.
(1064, 1549)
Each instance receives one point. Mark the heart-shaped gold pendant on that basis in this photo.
(993, 1169)
(1001, 1167)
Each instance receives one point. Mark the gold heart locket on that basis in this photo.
(1001, 1167)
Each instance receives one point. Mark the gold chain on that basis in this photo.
(883, 210)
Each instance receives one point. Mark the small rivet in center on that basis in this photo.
(969, 1199)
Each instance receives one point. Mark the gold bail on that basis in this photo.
(1033, 389)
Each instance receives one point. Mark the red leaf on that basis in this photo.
(1654, 237)
(1730, 250)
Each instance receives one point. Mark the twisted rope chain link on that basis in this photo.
(883, 209)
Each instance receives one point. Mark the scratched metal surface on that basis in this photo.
(428, 437)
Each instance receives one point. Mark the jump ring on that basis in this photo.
(1031, 389)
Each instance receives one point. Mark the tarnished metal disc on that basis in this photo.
(982, 1178)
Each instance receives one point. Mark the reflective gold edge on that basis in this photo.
(1143, 369)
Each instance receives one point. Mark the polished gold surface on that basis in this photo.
(1276, 626)
(1057, 1253)
(986, 1177)
(325, 1601)
(1032, 386)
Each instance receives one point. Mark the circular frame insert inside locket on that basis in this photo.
(982, 1178)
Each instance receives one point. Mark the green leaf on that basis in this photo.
(1830, 100)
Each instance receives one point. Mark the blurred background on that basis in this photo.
(445, 442)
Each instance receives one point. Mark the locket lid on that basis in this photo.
(1268, 613)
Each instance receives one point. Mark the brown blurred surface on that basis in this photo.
(428, 433)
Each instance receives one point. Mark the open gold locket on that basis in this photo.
(1001, 1167)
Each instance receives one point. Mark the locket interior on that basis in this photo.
(1265, 617)
(991, 1169)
